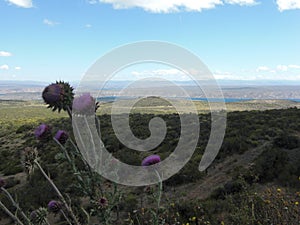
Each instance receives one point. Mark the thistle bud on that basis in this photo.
(61, 136)
(84, 105)
(151, 160)
(54, 206)
(42, 132)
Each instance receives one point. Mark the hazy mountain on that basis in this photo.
(31, 90)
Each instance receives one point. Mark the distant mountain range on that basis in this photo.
(31, 90)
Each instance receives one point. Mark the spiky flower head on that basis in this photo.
(103, 202)
(42, 132)
(52, 93)
(151, 160)
(59, 96)
(54, 206)
(84, 105)
(39, 216)
(61, 136)
(27, 158)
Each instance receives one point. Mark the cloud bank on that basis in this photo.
(169, 6)
(288, 4)
(4, 67)
(22, 3)
(5, 54)
(279, 68)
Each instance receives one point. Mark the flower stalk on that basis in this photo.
(58, 193)
(15, 218)
(15, 204)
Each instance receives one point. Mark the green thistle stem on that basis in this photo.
(58, 193)
(63, 148)
(69, 111)
(65, 216)
(87, 215)
(158, 200)
(89, 169)
(47, 222)
(76, 172)
(16, 205)
(160, 187)
(16, 219)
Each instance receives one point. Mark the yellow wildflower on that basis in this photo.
(296, 203)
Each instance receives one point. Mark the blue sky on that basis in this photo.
(237, 39)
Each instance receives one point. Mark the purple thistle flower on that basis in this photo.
(52, 93)
(54, 206)
(2, 182)
(58, 96)
(61, 136)
(42, 131)
(103, 202)
(84, 104)
(151, 160)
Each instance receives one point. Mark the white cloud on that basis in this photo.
(164, 6)
(157, 72)
(88, 25)
(17, 68)
(242, 2)
(279, 72)
(3, 53)
(294, 66)
(21, 3)
(223, 75)
(288, 4)
(279, 68)
(282, 68)
(169, 6)
(262, 68)
(49, 22)
(4, 67)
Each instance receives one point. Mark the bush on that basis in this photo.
(286, 141)
(270, 164)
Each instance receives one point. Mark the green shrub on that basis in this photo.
(270, 164)
(286, 141)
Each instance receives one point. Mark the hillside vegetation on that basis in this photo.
(255, 178)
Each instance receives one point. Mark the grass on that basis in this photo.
(155, 105)
(17, 113)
